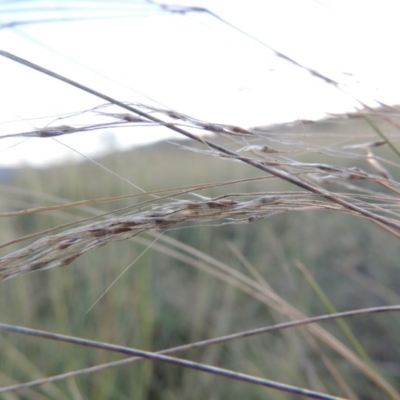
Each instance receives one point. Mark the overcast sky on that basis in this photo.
(219, 67)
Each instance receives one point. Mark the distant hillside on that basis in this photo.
(343, 123)
(7, 174)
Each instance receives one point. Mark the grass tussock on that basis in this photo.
(238, 236)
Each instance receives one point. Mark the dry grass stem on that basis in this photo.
(188, 364)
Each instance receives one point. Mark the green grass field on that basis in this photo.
(212, 276)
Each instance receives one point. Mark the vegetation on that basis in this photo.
(255, 251)
(234, 262)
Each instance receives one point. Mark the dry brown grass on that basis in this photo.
(303, 161)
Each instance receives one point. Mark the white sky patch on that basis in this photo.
(192, 63)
